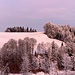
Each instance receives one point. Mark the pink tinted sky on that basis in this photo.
(35, 13)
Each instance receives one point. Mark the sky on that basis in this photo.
(36, 13)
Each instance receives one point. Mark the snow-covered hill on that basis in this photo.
(39, 36)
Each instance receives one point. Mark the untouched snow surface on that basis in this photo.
(59, 73)
(39, 36)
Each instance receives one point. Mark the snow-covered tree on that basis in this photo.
(54, 52)
(53, 68)
(33, 43)
(21, 47)
(49, 29)
(7, 49)
(67, 62)
(35, 64)
(64, 33)
(46, 63)
(10, 56)
(25, 64)
(70, 47)
(41, 48)
(29, 44)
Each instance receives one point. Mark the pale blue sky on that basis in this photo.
(35, 13)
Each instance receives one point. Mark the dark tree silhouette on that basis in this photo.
(20, 29)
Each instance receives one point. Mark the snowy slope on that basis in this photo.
(39, 36)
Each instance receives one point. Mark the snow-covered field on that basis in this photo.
(39, 36)
(59, 73)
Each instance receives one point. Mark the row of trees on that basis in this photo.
(64, 33)
(57, 58)
(20, 29)
(20, 56)
(16, 53)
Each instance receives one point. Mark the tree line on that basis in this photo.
(64, 33)
(22, 57)
(13, 53)
(20, 29)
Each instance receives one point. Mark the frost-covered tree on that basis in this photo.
(49, 58)
(27, 45)
(64, 33)
(33, 43)
(10, 55)
(29, 48)
(61, 52)
(6, 70)
(53, 31)
(53, 58)
(25, 64)
(46, 63)
(68, 38)
(70, 47)
(49, 29)
(68, 64)
(1, 64)
(41, 48)
(35, 64)
(21, 47)
(7, 49)
(54, 52)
